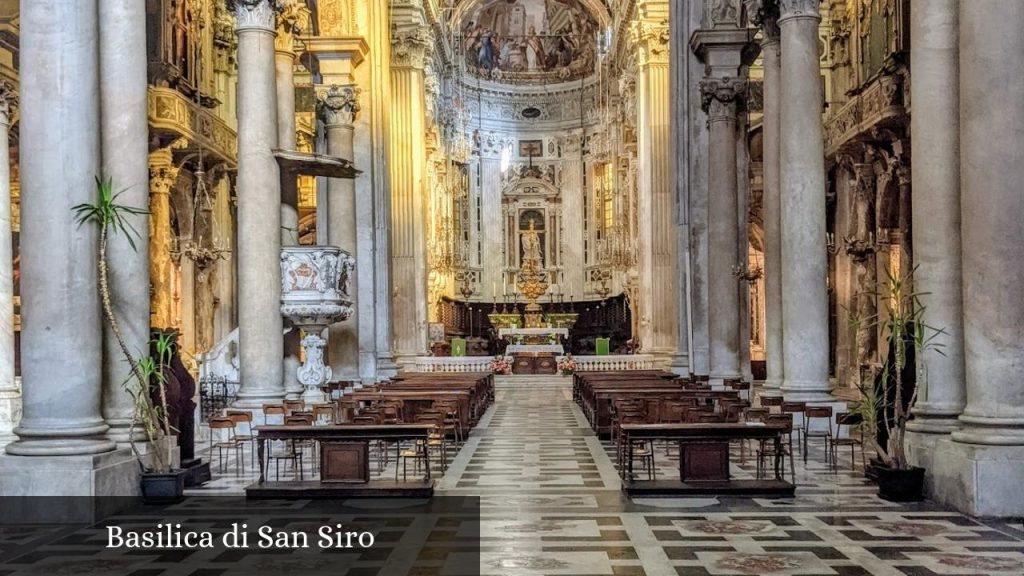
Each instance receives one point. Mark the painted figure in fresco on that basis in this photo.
(534, 50)
(487, 50)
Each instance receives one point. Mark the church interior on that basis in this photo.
(694, 287)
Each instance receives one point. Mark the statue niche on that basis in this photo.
(531, 237)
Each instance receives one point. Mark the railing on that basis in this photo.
(616, 362)
(449, 364)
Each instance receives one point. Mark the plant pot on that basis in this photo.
(901, 485)
(871, 470)
(163, 487)
(197, 473)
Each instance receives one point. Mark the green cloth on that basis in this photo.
(603, 346)
(458, 346)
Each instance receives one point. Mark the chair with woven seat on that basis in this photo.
(277, 411)
(450, 411)
(849, 421)
(772, 403)
(225, 428)
(750, 415)
(641, 449)
(811, 415)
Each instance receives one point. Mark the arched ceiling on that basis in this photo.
(529, 42)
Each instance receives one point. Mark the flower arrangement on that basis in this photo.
(567, 365)
(500, 365)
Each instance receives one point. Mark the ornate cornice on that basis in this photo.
(8, 102)
(789, 9)
(725, 13)
(255, 14)
(720, 97)
(764, 14)
(338, 104)
(172, 115)
(411, 47)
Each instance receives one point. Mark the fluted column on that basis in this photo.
(409, 50)
(61, 343)
(656, 201)
(10, 395)
(125, 147)
(804, 265)
(936, 208)
(720, 99)
(337, 107)
(162, 176)
(260, 339)
(765, 14)
(992, 169)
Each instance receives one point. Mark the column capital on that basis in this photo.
(8, 102)
(338, 104)
(764, 14)
(411, 47)
(789, 9)
(290, 23)
(255, 14)
(162, 172)
(652, 39)
(720, 97)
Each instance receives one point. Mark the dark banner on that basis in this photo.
(211, 536)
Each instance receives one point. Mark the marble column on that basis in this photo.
(288, 26)
(260, 338)
(935, 169)
(720, 98)
(765, 13)
(380, 96)
(124, 131)
(804, 263)
(410, 48)
(10, 394)
(337, 107)
(656, 199)
(61, 344)
(992, 169)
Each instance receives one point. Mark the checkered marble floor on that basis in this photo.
(551, 504)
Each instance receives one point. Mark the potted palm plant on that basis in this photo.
(147, 383)
(888, 393)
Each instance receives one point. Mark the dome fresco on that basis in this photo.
(529, 41)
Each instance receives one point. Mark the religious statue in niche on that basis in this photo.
(183, 37)
(531, 233)
(523, 41)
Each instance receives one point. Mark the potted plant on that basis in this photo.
(500, 365)
(567, 365)
(887, 398)
(159, 481)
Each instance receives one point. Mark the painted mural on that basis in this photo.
(530, 41)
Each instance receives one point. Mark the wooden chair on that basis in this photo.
(642, 449)
(849, 421)
(227, 442)
(294, 406)
(767, 450)
(243, 420)
(772, 403)
(812, 413)
(751, 415)
(323, 414)
(276, 410)
(796, 409)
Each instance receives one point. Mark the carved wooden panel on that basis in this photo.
(345, 462)
(704, 462)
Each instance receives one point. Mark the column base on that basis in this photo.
(119, 433)
(114, 473)
(815, 392)
(980, 480)
(386, 367)
(254, 400)
(990, 431)
(10, 414)
(680, 364)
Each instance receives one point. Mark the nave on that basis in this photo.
(551, 504)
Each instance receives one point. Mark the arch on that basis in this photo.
(595, 7)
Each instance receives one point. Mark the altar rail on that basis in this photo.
(616, 362)
(448, 364)
(583, 363)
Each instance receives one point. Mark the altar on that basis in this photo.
(534, 335)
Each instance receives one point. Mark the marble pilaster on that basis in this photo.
(10, 393)
(802, 178)
(61, 346)
(655, 197)
(125, 147)
(337, 107)
(936, 209)
(260, 337)
(411, 46)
